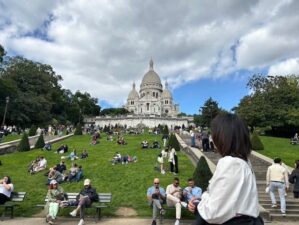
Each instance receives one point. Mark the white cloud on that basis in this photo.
(288, 67)
(102, 46)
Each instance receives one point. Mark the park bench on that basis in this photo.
(103, 202)
(15, 199)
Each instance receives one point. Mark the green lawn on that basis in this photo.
(11, 137)
(280, 147)
(127, 183)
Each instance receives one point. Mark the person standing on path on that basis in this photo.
(294, 179)
(277, 179)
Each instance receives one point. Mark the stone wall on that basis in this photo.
(10, 147)
(133, 121)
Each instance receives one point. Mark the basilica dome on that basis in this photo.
(151, 79)
(133, 93)
(166, 93)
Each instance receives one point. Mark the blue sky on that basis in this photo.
(203, 48)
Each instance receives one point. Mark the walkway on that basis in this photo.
(107, 221)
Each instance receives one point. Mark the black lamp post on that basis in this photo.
(5, 110)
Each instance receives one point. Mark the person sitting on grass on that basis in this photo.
(144, 144)
(86, 197)
(116, 158)
(6, 188)
(295, 139)
(47, 147)
(62, 149)
(121, 141)
(73, 172)
(54, 174)
(156, 196)
(73, 156)
(84, 154)
(33, 164)
(61, 167)
(156, 144)
(42, 164)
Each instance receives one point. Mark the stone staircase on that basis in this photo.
(260, 168)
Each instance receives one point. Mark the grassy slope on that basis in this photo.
(127, 183)
(280, 147)
(11, 137)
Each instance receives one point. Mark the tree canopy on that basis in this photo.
(36, 96)
(274, 102)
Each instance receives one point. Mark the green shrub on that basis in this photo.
(173, 142)
(78, 130)
(165, 130)
(40, 143)
(32, 130)
(256, 143)
(24, 144)
(202, 174)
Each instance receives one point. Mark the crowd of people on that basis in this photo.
(218, 205)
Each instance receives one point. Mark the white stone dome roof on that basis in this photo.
(133, 93)
(166, 94)
(151, 79)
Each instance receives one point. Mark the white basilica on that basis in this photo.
(152, 98)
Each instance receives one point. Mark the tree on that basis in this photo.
(24, 144)
(40, 143)
(202, 174)
(114, 111)
(165, 130)
(173, 142)
(274, 102)
(78, 130)
(32, 131)
(2, 53)
(209, 111)
(256, 143)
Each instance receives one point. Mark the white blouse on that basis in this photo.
(232, 191)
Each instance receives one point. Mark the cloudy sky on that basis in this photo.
(203, 48)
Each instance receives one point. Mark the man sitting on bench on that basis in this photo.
(86, 197)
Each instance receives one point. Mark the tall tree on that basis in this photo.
(209, 111)
(2, 53)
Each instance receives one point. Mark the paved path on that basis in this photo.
(106, 221)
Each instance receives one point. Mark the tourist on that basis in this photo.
(121, 141)
(62, 149)
(173, 161)
(160, 160)
(294, 179)
(144, 144)
(73, 156)
(173, 198)
(211, 142)
(192, 192)
(86, 197)
(47, 147)
(42, 164)
(54, 174)
(55, 195)
(295, 139)
(73, 172)
(192, 138)
(61, 167)
(84, 154)
(156, 144)
(156, 197)
(205, 141)
(277, 179)
(232, 194)
(6, 188)
(33, 164)
(165, 138)
(116, 158)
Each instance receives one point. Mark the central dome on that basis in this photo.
(151, 79)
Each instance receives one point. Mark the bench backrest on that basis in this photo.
(17, 196)
(103, 197)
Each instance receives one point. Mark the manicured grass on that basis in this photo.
(127, 183)
(11, 137)
(280, 147)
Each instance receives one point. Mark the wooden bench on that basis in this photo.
(15, 199)
(103, 202)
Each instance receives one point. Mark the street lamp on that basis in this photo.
(5, 110)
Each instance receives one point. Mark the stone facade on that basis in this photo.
(148, 121)
(152, 98)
